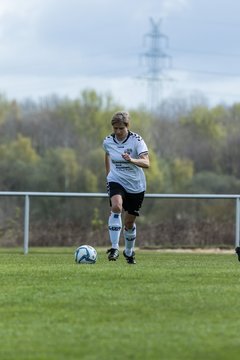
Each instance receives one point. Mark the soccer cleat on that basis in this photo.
(113, 254)
(130, 259)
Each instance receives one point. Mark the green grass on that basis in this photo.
(168, 306)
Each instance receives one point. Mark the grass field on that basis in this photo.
(168, 306)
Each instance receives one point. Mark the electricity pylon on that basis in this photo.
(156, 60)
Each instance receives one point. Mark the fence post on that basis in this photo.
(237, 222)
(26, 224)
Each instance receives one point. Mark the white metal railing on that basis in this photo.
(27, 196)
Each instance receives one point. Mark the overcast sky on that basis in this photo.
(65, 46)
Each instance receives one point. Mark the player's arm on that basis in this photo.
(142, 161)
(107, 163)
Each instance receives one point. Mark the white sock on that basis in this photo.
(130, 237)
(114, 228)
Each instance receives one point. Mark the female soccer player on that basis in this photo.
(126, 154)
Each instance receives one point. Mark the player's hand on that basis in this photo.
(126, 157)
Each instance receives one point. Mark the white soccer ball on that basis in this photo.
(85, 254)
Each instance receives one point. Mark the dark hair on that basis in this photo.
(121, 117)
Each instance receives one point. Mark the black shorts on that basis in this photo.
(132, 202)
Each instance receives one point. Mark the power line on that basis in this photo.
(206, 22)
(203, 72)
(199, 52)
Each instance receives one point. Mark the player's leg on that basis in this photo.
(132, 204)
(115, 226)
(115, 220)
(129, 233)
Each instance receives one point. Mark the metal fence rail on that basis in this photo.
(28, 195)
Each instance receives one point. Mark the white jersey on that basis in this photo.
(130, 176)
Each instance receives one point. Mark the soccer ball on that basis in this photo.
(85, 254)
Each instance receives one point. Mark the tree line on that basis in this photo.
(55, 144)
